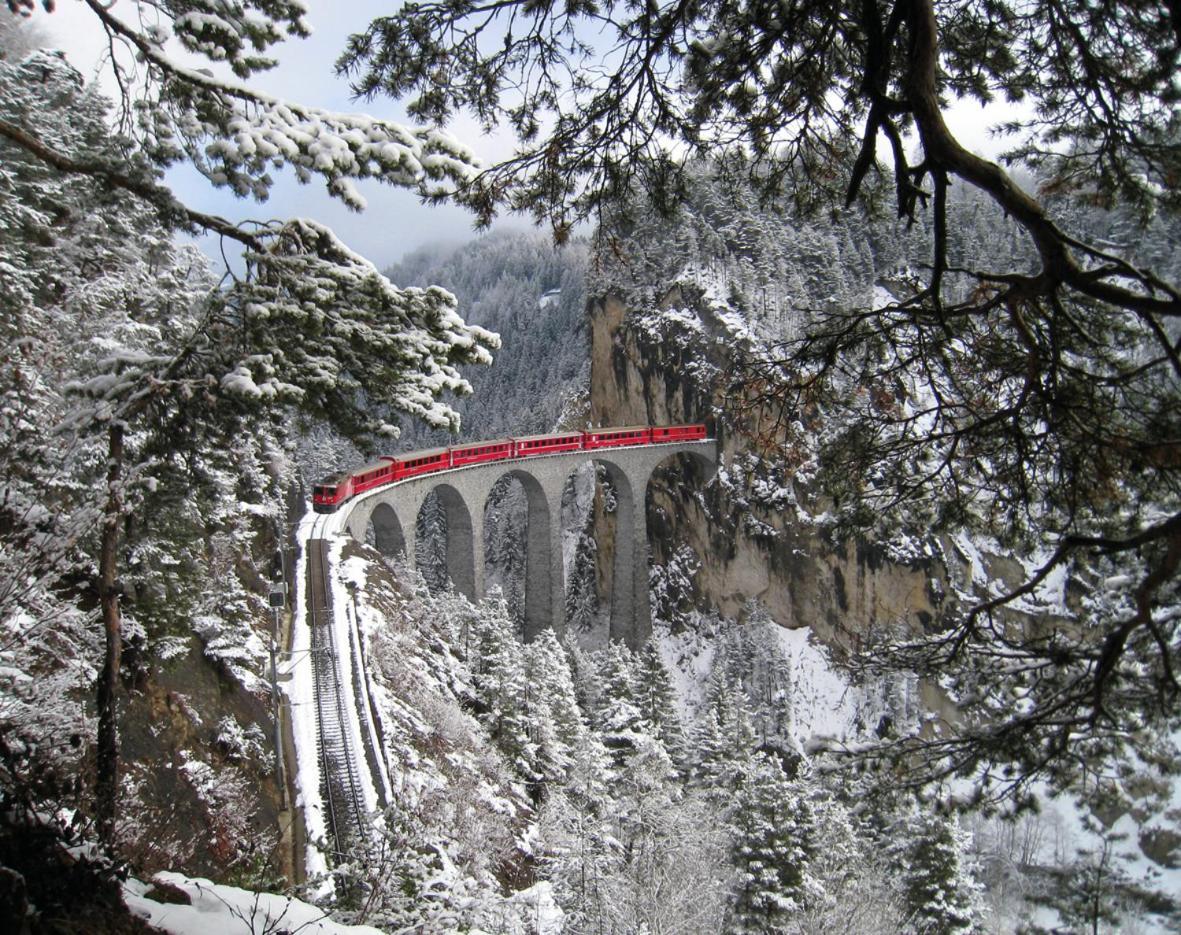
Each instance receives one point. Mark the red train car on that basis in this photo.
(617, 437)
(480, 452)
(677, 433)
(421, 462)
(373, 475)
(331, 492)
(547, 444)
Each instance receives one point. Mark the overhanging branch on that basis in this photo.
(161, 198)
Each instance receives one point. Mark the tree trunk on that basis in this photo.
(106, 787)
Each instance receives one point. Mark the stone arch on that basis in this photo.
(539, 558)
(702, 459)
(460, 555)
(700, 467)
(681, 476)
(384, 531)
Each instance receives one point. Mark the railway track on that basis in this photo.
(340, 785)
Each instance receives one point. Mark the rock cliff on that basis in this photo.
(752, 534)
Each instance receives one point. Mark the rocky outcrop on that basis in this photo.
(752, 534)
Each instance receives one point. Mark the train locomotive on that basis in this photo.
(329, 494)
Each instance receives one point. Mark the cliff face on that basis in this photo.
(749, 533)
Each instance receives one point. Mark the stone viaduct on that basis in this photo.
(463, 493)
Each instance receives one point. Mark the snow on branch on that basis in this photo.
(234, 134)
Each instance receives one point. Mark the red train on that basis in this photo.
(331, 492)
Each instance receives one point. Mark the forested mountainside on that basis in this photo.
(533, 295)
(542, 788)
(776, 267)
(756, 600)
(515, 284)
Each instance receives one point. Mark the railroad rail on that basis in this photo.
(340, 786)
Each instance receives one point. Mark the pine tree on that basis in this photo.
(939, 892)
(855, 890)
(151, 377)
(775, 839)
(431, 543)
(576, 824)
(505, 518)
(107, 411)
(504, 691)
(724, 740)
(618, 718)
(657, 702)
(555, 722)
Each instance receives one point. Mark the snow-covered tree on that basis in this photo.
(1090, 892)
(119, 343)
(505, 521)
(856, 890)
(617, 715)
(583, 609)
(430, 543)
(671, 873)
(555, 721)
(775, 841)
(575, 823)
(499, 669)
(940, 893)
(657, 701)
(723, 741)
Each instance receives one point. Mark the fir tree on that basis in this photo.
(775, 840)
(723, 741)
(430, 543)
(657, 701)
(619, 720)
(503, 689)
(555, 722)
(939, 892)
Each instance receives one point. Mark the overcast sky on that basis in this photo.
(395, 221)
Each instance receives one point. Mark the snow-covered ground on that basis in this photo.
(823, 705)
(215, 909)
